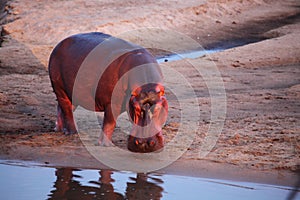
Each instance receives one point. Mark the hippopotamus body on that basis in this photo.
(119, 76)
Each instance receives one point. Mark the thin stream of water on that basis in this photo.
(180, 56)
(221, 46)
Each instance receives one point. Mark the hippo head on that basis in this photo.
(148, 110)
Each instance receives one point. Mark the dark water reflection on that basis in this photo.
(68, 186)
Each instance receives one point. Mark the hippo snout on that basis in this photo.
(145, 145)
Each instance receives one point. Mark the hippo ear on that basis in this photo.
(161, 90)
(136, 91)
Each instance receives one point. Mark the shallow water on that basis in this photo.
(220, 46)
(191, 54)
(32, 182)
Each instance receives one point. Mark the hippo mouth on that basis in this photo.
(145, 145)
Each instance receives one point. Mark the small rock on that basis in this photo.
(3, 97)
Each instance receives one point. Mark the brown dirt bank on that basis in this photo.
(262, 80)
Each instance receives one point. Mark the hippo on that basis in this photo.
(120, 77)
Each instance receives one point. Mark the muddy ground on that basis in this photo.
(261, 79)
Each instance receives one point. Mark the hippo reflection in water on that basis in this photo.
(69, 185)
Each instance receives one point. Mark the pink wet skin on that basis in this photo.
(146, 100)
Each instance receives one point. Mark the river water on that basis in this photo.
(35, 182)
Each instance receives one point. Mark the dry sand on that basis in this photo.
(260, 138)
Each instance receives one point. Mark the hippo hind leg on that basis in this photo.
(59, 125)
(65, 119)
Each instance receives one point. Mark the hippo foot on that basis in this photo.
(58, 129)
(69, 132)
(105, 142)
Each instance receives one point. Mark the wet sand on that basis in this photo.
(260, 138)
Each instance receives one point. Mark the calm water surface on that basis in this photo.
(31, 182)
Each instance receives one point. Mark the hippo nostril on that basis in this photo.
(151, 142)
(136, 141)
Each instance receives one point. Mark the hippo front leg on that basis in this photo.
(109, 124)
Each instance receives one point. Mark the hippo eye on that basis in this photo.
(160, 91)
(142, 95)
